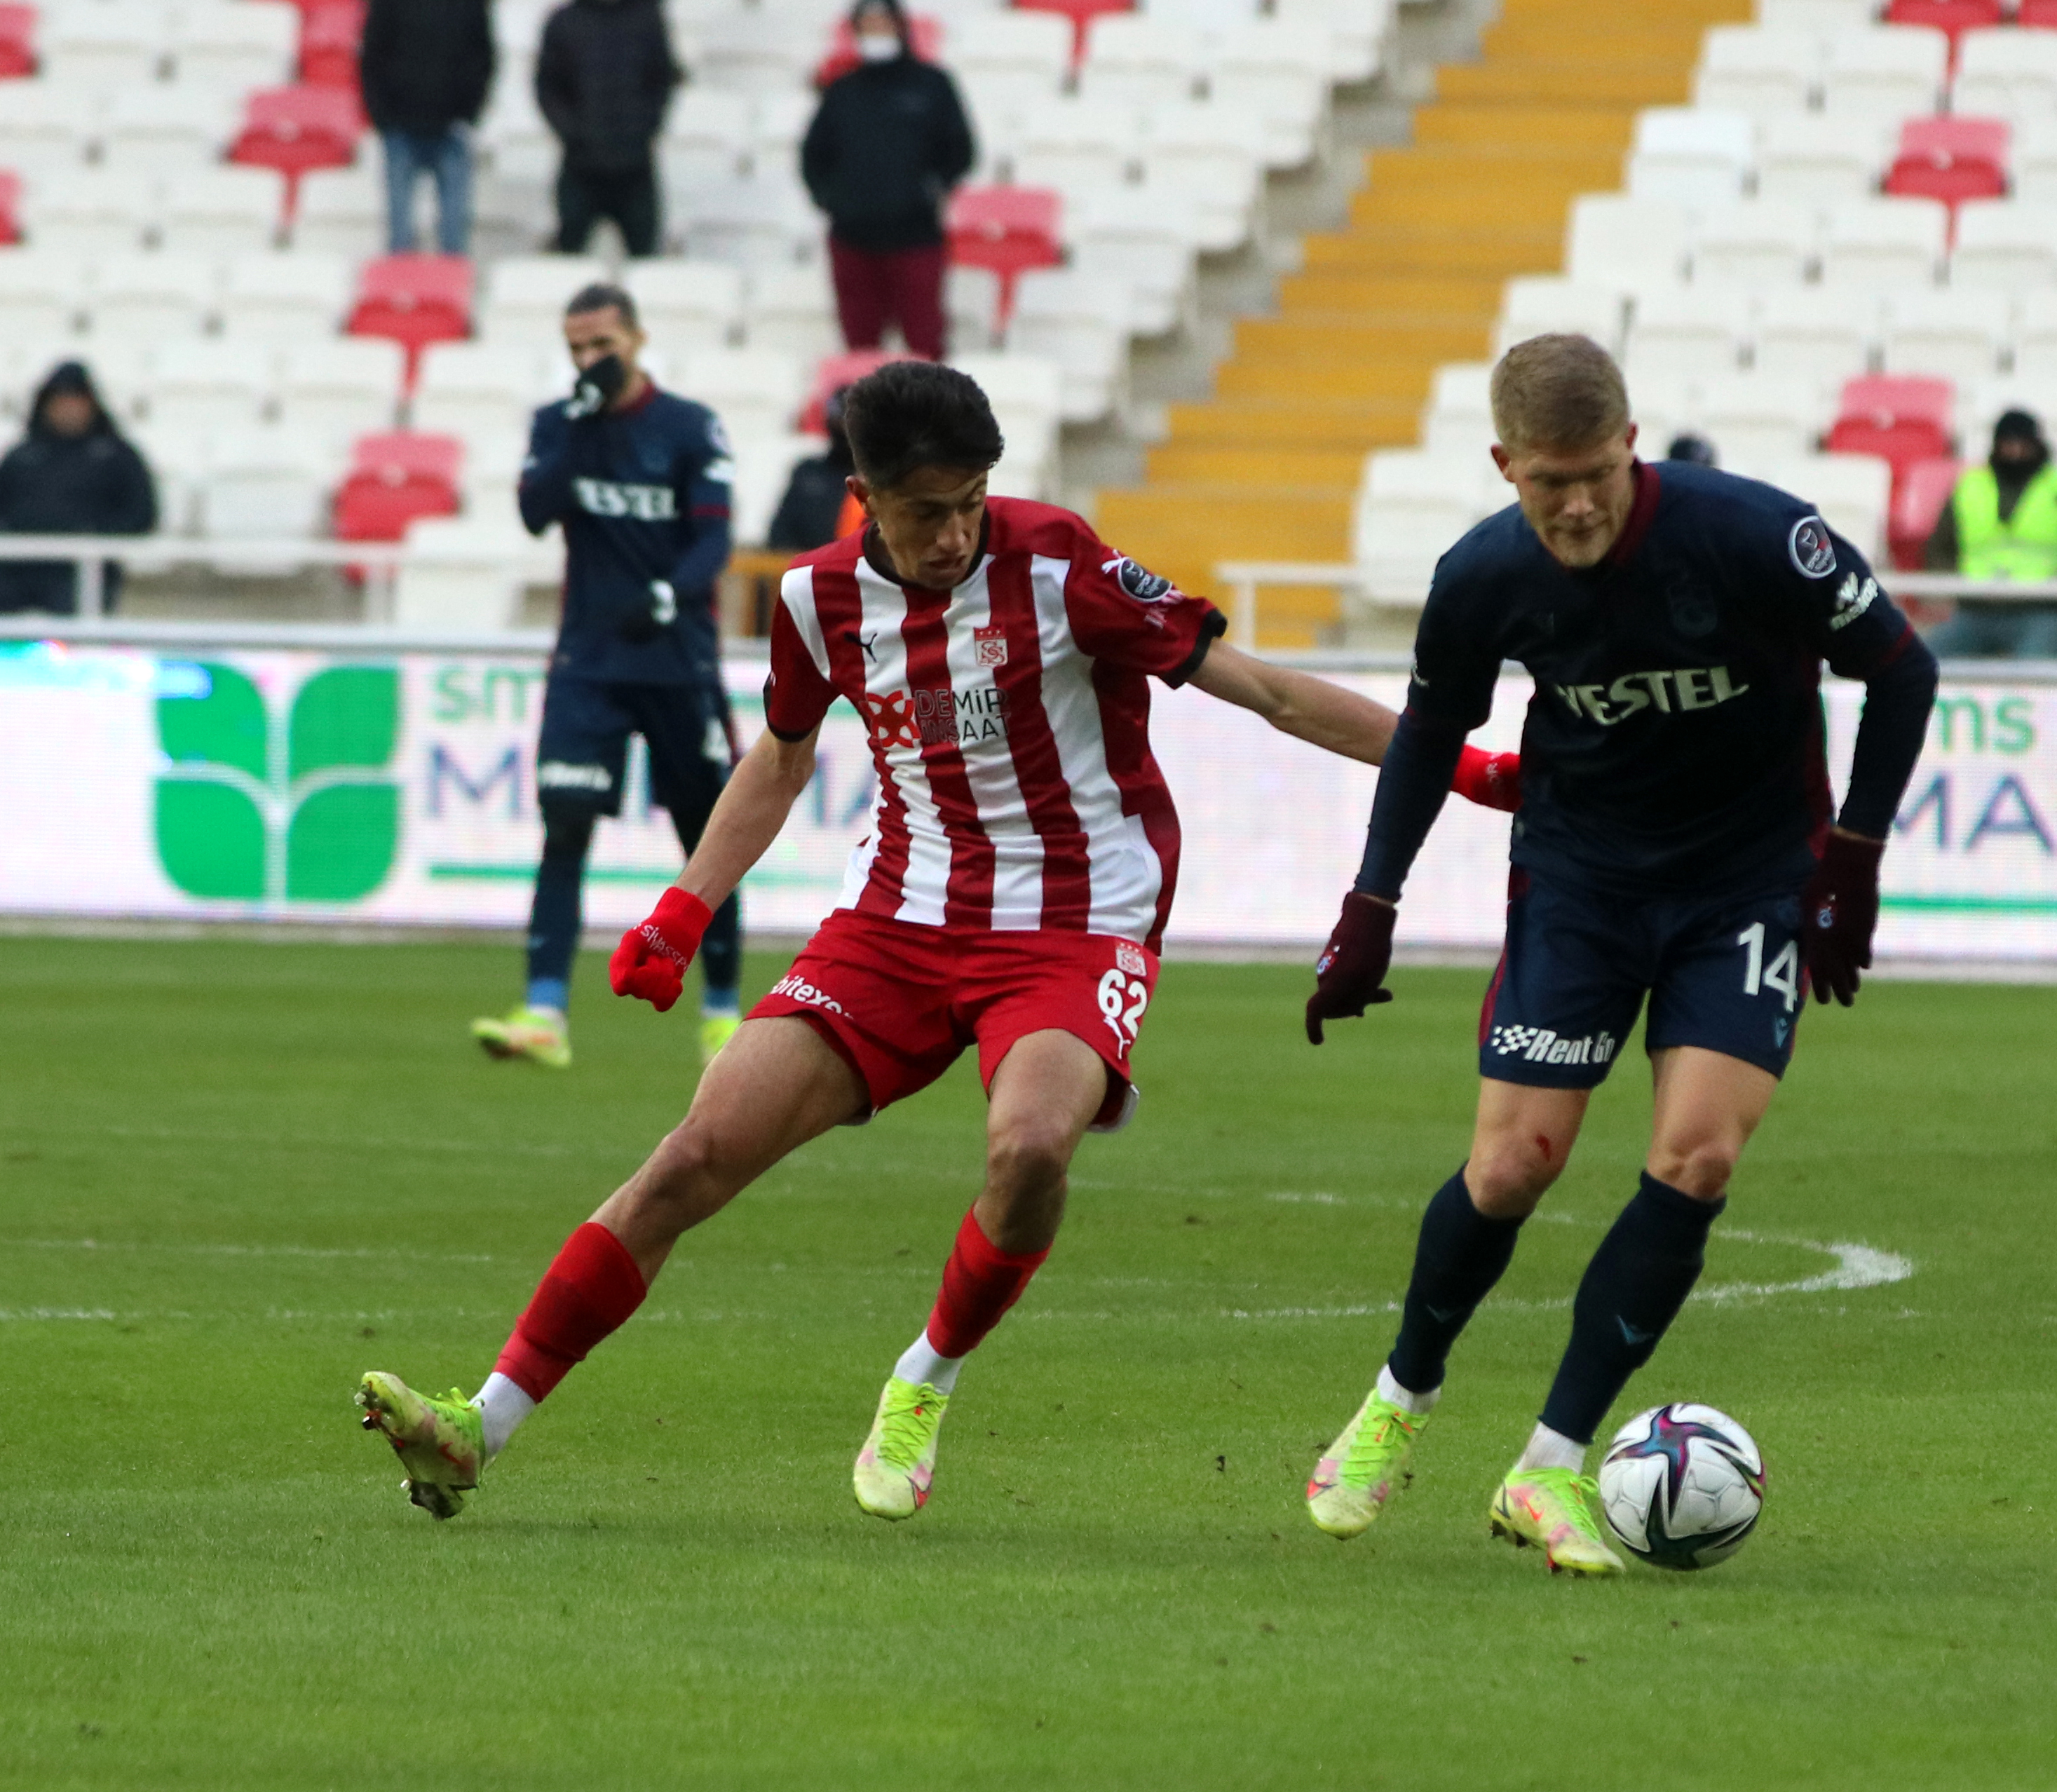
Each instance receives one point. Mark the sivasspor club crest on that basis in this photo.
(1145, 587)
(988, 646)
(1129, 960)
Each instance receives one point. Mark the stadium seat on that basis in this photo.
(1534, 303)
(335, 390)
(1410, 507)
(1027, 394)
(208, 388)
(40, 294)
(91, 213)
(1765, 73)
(766, 221)
(460, 573)
(1457, 419)
(296, 129)
(330, 33)
(160, 130)
(42, 130)
(706, 133)
(1356, 31)
(18, 42)
(778, 123)
(263, 484)
(1213, 157)
(1082, 325)
(525, 294)
(1614, 240)
(2034, 340)
(1924, 488)
(1882, 244)
(1686, 157)
(753, 53)
(687, 304)
(222, 211)
(2007, 73)
(1275, 70)
(1952, 17)
(1134, 61)
(1084, 16)
(393, 479)
(1818, 161)
(10, 208)
(1853, 492)
(122, 371)
(1007, 61)
(2035, 158)
(1890, 72)
(1814, 337)
(340, 211)
(1950, 158)
(104, 47)
(1756, 416)
(1074, 147)
(284, 299)
(755, 391)
(1008, 230)
(414, 300)
(472, 389)
(1956, 335)
(1698, 330)
(230, 47)
(1142, 241)
(833, 372)
(2005, 248)
(2036, 14)
(971, 301)
(152, 297)
(1900, 419)
(1753, 244)
(792, 310)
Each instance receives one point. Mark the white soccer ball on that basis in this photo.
(1681, 1486)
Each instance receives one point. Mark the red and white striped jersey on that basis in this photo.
(1009, 721)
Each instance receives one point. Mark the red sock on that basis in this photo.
(589, 1291)
(1493, 780)
(980, 1283)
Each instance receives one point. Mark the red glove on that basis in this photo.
(1838, 914)
(652, 959)
(1491, 780)
(1353, 965)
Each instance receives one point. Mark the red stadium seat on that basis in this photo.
(1953, 17)
(10, 208)
(840, 370)
(1081, 13)
(295, 129)
(1900, 419)
(1924, 488)
(18, 42)
(414, 300)
(1950, 158)
(2038, 14)
(330, 33)
(1009, 230)
(926, 33)
(394, 478)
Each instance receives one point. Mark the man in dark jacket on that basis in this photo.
(72, 474)
(425, 66)
(818, 507)
(889, 142)
(603, 81)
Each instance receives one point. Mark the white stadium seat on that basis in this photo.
(687, 304)
(1692, 330)
(1535, 304)
(152, 297)
(474, 389)
(1613, 239)
(232, 45)
(284, 299)
(1688, 156)
(1134, 61)
(525, 295)
(1818, 336)
(1756, 416)
(1009, 60)
(222, 211)
(1958, 335)
(1083, 325)
(1356, 31)
(1458, 420)
(41, 292)
(337, 390)
(792, 310)
(92, 212)
(1754, 243)
(2005, 248)
(463, 574)
(1852, 493)
(1213, 156)
(342, 210)
(46, 130)
(1819, 161)
(706, 133)
(1884, 242)
(1821, 17)
(103, 47)
(2003, 72)
(1143, 240)
(210, 386)
(1889, 72)
(2033, 156)
(154, 129)
(2036, 341)
(1075, 147)
(1276, 70)
(759, 223)
(754, 53)
(1766, 73)
(266, 483)
(753, 391)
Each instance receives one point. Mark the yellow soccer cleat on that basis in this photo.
(441, 1443)
(1364, 1467)
(537, 1033)
(716, 1030)
(1553, 1509)
(897, 1463)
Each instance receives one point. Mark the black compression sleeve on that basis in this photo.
(1897, 699)
(1412, 785)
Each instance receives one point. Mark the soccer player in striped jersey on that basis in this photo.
(1012, 896)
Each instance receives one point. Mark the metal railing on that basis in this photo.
(380, 561)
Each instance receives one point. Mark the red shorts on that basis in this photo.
(900, 1001)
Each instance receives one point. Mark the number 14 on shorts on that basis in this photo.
(1782, 974)
(1123, 996)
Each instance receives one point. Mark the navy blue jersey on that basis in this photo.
(642, 495)
(1675, 740)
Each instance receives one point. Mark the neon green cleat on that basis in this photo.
(441, 1443)
(898, 1461)
(716, 1030)
(1553, 1509)
(527, 1033)
(1364, 1467)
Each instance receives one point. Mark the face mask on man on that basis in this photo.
(878, 46)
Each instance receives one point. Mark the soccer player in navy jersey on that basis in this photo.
(1675, 843)
(639, 479)
(1010, 899)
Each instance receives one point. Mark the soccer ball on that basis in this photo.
(1681, 1486)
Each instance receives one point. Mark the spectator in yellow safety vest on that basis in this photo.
(2000, 523)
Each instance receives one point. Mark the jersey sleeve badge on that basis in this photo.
(1812, 548)
(1144, 586)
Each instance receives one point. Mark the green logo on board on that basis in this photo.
(260, 806)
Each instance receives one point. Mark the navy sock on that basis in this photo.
(1461, 1253)
(1632, 1291)
(554, 914)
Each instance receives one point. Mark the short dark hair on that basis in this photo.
(602, 295)
(908, 414)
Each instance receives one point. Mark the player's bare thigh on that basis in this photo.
(1707, 1106)
(775, 1085)
(1520, 1143)
(1040, 1101)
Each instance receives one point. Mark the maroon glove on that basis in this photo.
(650, 963)
(1837, 915)
(1491, 780)
(1354, 963)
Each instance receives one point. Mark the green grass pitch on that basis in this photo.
(234, 1176)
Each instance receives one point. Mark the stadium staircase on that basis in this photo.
(1268, 468)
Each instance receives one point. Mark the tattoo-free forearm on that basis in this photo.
(761, 792)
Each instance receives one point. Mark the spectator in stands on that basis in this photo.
(2000, 523)
(425, 66)
(1696, 449)
(818, 507)
(888, 141)
(603, 80)
(73, 473)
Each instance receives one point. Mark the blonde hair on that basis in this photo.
(1558, 391)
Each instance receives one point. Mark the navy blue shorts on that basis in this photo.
(1723, 973)
(584, 751)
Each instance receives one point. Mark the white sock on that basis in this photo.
(1393, 1394)
(920, 1362)
(502, 1405)
(1552, 1449)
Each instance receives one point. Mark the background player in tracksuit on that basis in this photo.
(639, 481)
(1675, 842)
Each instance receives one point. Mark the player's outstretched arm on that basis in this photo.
(651, 961)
